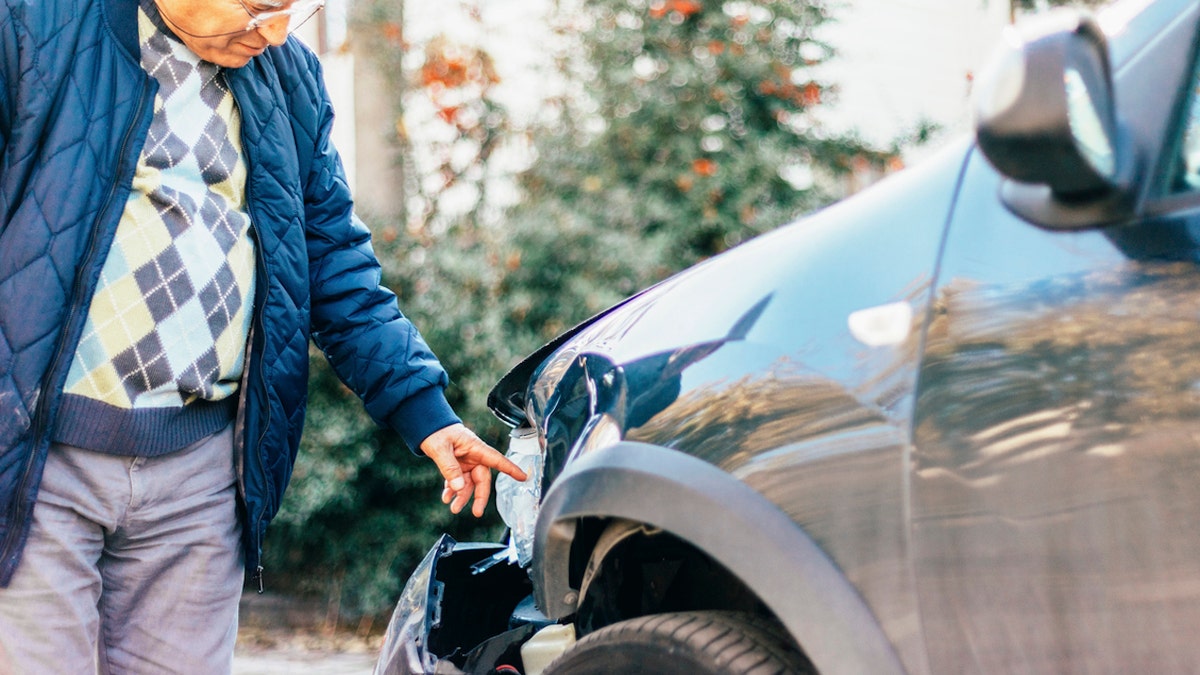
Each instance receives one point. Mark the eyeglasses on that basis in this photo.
(296, 15)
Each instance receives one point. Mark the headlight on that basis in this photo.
(518, 502)
(602, 432)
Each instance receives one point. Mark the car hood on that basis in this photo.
(869, 250)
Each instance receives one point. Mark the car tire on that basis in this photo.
(684, 643)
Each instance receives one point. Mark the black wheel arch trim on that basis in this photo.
(727, 520)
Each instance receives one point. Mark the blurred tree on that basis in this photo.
(679, 129)
(692, 130)
(361, 510)
(675, 129)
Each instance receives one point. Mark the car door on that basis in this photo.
(1056, 433)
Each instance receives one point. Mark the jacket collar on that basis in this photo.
(122, 20)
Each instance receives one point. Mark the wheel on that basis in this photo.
(684, 643)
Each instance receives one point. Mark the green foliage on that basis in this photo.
(361, 510)
(688, 126)
(697, 110)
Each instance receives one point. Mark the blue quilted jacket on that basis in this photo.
(75, 107)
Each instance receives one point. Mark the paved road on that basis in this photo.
(300, 663)
(280, 636)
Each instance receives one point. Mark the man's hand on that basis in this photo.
(466, 462)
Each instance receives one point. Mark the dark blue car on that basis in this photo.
(950, 425)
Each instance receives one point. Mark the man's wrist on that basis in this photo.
(421, 415)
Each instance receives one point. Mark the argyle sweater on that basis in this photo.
(163, 346)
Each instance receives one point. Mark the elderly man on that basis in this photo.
(176, 226)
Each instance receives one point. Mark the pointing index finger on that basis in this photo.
(506, 465)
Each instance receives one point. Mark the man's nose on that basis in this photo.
(275, 30)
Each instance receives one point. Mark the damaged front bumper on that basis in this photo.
(465, 609)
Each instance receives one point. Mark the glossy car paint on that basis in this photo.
(756, 369)
(1057, 454)
(1058, 423)
(990, 429)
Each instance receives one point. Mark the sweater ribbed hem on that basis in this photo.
(141, 432)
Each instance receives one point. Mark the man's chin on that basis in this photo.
(230, 60)
(224, 52)
(234, 55)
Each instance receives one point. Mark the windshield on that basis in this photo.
(1131, 24)
(1115, 17)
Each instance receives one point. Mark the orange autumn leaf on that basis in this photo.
(704, 167)
(447, 72)
(686, 7)
(812, 93)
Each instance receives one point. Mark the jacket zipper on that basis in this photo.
(256, 451)
(253, 451)
(17, 524)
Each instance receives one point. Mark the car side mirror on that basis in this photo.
(1046, 120)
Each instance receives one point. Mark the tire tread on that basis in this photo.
(728, 643)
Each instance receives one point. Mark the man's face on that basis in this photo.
(233, 46)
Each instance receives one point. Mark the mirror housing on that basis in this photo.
(1046, 120)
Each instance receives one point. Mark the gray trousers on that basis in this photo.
(133, 565)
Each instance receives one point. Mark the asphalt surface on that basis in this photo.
(302, 663)
(278, 635)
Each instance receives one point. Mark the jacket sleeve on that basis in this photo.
(372, 346)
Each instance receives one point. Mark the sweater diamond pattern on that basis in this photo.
(169, 319)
